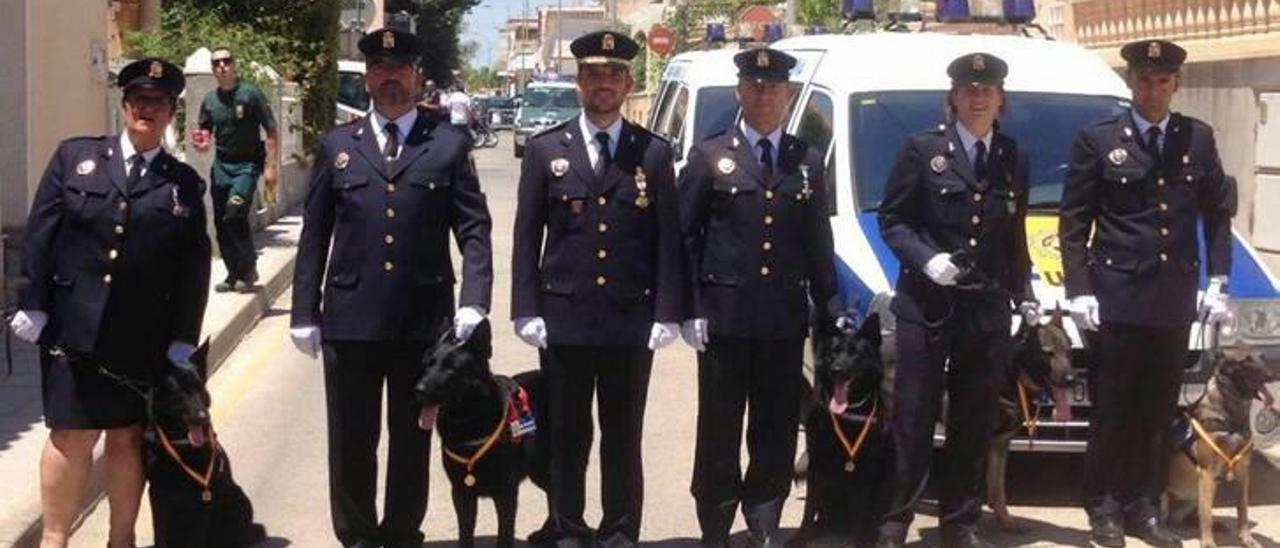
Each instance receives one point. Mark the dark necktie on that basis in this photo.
(766, 159)
(392, 149)
(980, 163)
(1153, 141)
(602, 163)
(136, 162)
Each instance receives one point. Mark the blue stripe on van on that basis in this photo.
(888, 261)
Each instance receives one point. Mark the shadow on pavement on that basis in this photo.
(20, 402)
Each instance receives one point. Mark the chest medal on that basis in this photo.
(642, 185)
(239, 112)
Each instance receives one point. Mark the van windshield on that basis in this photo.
(551, 98)
(1045, 124)
(717, 110)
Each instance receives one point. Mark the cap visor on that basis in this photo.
(388, 59)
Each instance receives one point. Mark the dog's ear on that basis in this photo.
(481, 342)
(870, 329)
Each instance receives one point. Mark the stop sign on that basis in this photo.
(662, 40)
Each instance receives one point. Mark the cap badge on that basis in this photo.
(559, 167)
(342, 160)
(86, 167)
(726, 165)
(938, 164)
(388, 40)
(156, 70)
(642, 186)
(979, 62)
(606, 42)
(1118, 156)
(1153, 50)
(762, 59)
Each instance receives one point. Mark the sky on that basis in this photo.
(483, 22)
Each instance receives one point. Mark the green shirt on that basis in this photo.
(234, 117)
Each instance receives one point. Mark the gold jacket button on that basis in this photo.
(764, 271)
(768, 194)
(106, 279)
(973, 242)
(602, 227)
(602, 200)
(1164, 231)
(977, 197)
(389, 239)
(1160, 181)
(390, 188)
(391, 213)
(113, 254)
(601, 254)
(766, 246)
(768, 219)
(388, 266)
(119, 229)
(1164, 206)
(976, 220)
(1164, 258)
(124, 206)
(600, 281)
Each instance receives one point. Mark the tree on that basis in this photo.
(439, 23)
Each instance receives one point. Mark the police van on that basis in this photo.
(861, 95)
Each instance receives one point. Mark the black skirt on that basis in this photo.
(80, 396)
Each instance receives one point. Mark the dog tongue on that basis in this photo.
(839, 398)
(427, 417)
(195, 435)
(1061, 404)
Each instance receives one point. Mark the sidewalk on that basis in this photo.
(22, 432)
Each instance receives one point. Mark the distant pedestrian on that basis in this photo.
(433, 101)
(234, 112)
(118, 261)
(459, 105)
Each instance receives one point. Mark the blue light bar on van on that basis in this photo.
(772, 32)
(858, 9)
(1019, 11)
(816, 29)
(715, 32)
(953, 10)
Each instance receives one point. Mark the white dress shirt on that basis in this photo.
(753, 137)
(404, 123)
(970, 143)
(127, 151)
(1143, 125)
(589, 131)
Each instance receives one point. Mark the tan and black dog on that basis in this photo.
(1041, 364)
(1218, 443)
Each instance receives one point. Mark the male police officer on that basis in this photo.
(118, 261)
(753, 214)
(954, 214)
(234, 112)
(388, 189)
(604, 292)
(1137, 185)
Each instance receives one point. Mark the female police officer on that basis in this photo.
(118, 261)
(953, 213)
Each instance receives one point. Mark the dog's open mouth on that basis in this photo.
(195, 435)
(839, 397)
(427, 417)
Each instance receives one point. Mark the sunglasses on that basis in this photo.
(224, 62)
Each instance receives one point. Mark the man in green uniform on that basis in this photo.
(233, 113)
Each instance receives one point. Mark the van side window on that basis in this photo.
(675, 121)
(816, 129)
(659, 108)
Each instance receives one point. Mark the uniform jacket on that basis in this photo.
(758, 250)
(934, 203)
(110, 264)
(1144, 261)
(610, 265)
(389, 275)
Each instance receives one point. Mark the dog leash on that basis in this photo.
(1217, 449)
(851, 451)
(470, 463)
(204, 480)
(1029, 419)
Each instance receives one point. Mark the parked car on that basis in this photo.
(353, 99)
(499, 111)
(545, 104)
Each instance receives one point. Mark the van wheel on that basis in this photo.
(519, 150)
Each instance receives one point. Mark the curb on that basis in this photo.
(222, 342)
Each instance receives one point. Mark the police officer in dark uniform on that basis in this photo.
(758, 241)
(1137, 185)
(604, 292)
(388, 189)
(118, 262)
(954, 213)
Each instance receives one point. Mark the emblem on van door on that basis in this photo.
(559, 167)
(726, 165)
(341, 161)
(86, 167)
(938, 164)
(1118, 156)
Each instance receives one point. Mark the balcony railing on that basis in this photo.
(1110, 23)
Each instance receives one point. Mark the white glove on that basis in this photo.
(695, 333)
(941, 270)
(1084, 312)
(662, 334)
(1213, 306)
(27, 324)
(307, 339)
(1030, 311)
(179, 353)
(533, 331)
(465, 321)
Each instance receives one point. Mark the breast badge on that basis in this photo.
(559, 167)
(342, 160)
(86, 167)
(938, 164)
(726, 166)
(1118, 156)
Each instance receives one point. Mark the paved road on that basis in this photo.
(269, 408)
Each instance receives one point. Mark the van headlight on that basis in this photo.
(1255, 321)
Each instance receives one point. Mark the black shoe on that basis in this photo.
(757, 539)
(889, 541)
(1106, 531)
(966, 538)
(245, 287)
(1152, 532)
(224, 286)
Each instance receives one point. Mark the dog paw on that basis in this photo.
(1248, 541)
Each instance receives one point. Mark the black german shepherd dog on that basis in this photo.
(850, 449)
(489, 442)
(195, 503)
